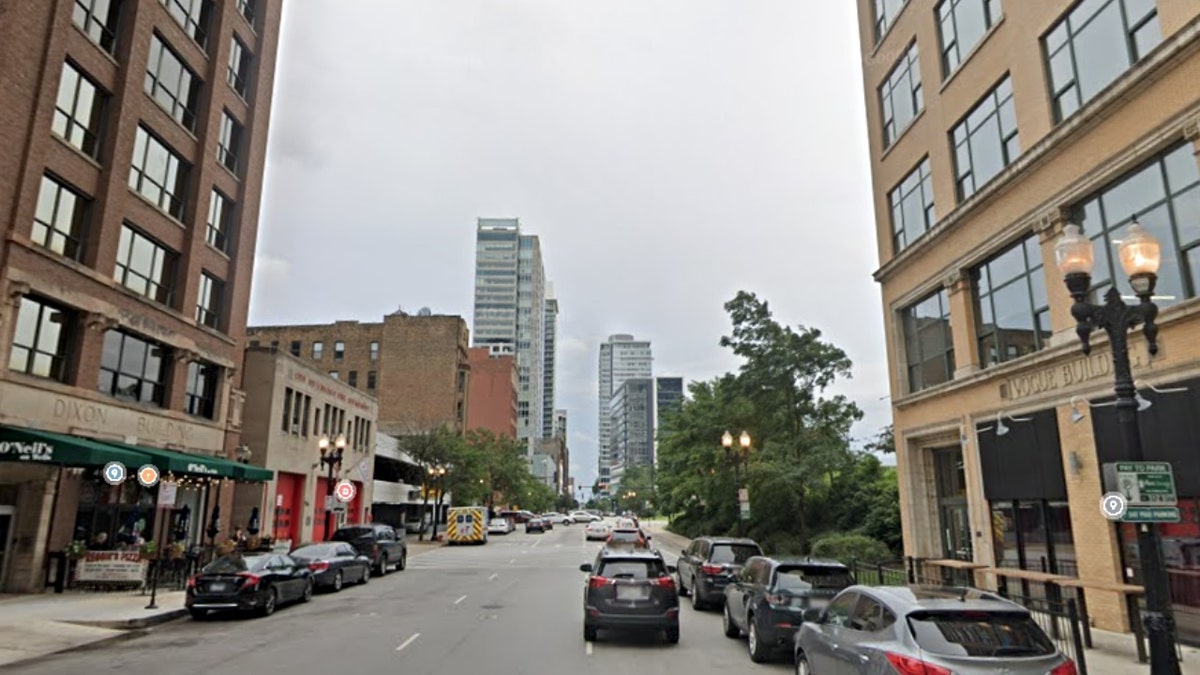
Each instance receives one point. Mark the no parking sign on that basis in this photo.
(345, 491)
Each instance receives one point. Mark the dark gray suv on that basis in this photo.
(382, 543)
(710, 564)
(630, 589)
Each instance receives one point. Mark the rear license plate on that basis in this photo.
(218, 587)
(632, 592)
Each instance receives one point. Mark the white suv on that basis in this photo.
(584, 517)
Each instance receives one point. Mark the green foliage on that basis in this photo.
(848, 547)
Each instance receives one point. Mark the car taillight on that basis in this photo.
(191, 583)
(1066, 668)
(374, 549)
(664, 582)
(907, 665)
(320, 566)
(712, 569)
(598, 582)
(250, 579)
(776, 599)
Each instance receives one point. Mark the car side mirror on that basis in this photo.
(585, 567)
(682, 553)
(671, 569)
(813, 615)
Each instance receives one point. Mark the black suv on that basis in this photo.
(630, 589)
(709, 564)
(379, 542)
(768, 597)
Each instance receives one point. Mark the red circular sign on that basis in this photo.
(345, 491)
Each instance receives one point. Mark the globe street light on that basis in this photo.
(1140, 256)
(737, 457)
(436, 472)
(330, 460)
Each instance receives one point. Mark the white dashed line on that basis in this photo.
(460, 599)
(408, 642)
(512, 562)
(588, 649)
(493, 577)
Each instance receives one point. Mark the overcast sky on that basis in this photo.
(667, 152)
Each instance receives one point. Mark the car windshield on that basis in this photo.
(309, 551)
(232, 564)
(624, 536)
(737, 554)
(499, 522)
(352, 534)
(805, 578)
(979, 633)
(642, 568)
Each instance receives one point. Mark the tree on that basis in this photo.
(505, 470)
(430, 448)
(884, 443)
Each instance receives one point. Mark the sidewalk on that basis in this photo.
(37, 625)
(1111, 654)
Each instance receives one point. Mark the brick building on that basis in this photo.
(492, 392)
(134, 138)
(990, 127)
(290, 406)
(415, 365)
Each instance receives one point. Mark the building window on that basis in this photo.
(900, 96)
(961, 25)
(144, 266)
(370, 379)
(158, 174)
(374, 351)
(61, 218)
(78, 110)
(286, 422)
(172, 83)
(352, 378)
(98, 20)
(885, 14)
(911, 203)
(193, 16)
(239, 67)
(132, 369)
(40, 342)
(318, 350)
(985, 141)
(928, 342)
(201, 395)
(1012, 310)
(1034, 535)
(246, 7)
(229, 143)
(333, 374)
(339, 350)
(295, 348)
(1093, 45)
(1164, 195)
(210, 300)
(220, 221)
(306, 415)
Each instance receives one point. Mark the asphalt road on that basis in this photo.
(512, 607)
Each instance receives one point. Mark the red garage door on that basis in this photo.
(354, 508)
(289, 506)
(319, 533)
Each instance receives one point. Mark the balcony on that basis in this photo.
(396, 493)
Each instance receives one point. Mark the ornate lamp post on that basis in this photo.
(1140, 256)
(331, 460)
(737, 456)
(436, 472)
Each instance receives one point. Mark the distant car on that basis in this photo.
(584, 517)
(924, 629)
(333, 563)
(597, 529)
(379, 542)
(623, 537)
(535, 525)
(768, 597)
(629, 589)
(559, 518)
(500, 526)
(257, 583)
(708, 565)
(546, 522)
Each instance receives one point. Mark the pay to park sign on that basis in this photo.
(1148, 488)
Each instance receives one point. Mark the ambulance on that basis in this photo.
(466, 525)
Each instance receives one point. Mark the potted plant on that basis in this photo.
(254, 543)
(148, 549)
(77, 549)
(176, 550)
(226, 547)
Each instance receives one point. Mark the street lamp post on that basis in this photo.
(737, 456)
(1140, 256)
(436, 472)
(331, 460)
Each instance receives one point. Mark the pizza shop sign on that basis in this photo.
(28, 452)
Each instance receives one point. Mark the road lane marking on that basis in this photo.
(536, 543)
(512, 562)
(460, 599)
(408, 642)
(588, 648)
(493, 577)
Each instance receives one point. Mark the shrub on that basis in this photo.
(782, 544)
(851, 547)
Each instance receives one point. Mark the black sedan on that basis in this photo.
(333, 563)
(535, 524)
(248, 583)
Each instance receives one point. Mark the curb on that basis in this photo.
(135, 624)
(95, 644)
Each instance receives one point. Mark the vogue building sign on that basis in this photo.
(1071, 373)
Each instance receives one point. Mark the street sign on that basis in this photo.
(330, 502)
(166, 495)
(1151, 514)
(345, 491)
(745, 512)
(1142, 483)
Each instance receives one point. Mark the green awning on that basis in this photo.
(183, 463)
(254, 473)
(43, 447)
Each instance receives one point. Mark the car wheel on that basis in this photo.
(731, 629)
(683, 591)
(338, 579)
(383, 565)
(802, 665)
(366, 574)
(758, 650)
(198, 614)
(697, 603)
(269, 602)
(403, 560)
(308, 591)
(589, 633)
(673, 635)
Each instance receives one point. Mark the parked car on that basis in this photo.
(597, 529)
(624, 537)
(630, 589)
(924, 629)
(257, 583)
(535, 525)
(559, 518)
(767, 599)
(379, 542)
(500, 526)
(708, 565)
(333, 564)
